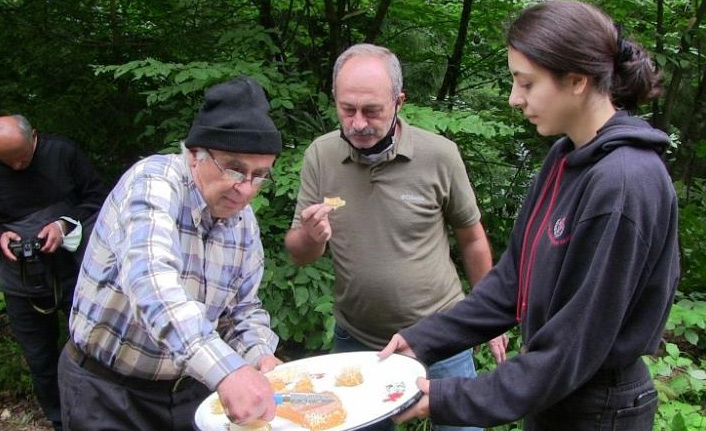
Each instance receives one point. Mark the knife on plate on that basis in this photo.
(303, 398)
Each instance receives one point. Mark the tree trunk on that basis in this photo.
(659, 49)
(268, 22)
(453, 70)
(334, 13)
(265, 9)
(664, 119)
(693, 133)
(334, 30)
(376, 25)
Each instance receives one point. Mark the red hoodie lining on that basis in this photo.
(554, 179)
(521, 281)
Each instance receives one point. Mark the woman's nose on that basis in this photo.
(516, 100)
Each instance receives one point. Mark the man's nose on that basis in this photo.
(246, 187)
(359, 121)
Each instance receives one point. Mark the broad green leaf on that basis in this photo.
(672, 349)
(698, 374)
(301, 295)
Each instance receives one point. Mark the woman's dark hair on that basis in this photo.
(567, 36)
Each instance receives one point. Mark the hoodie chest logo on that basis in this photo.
(559, 233)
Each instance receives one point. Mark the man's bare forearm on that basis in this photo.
(302, 248)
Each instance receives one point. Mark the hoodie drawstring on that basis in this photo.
(527, 253)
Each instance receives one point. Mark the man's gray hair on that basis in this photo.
(25, 127)
(394, 70)
(200, 153)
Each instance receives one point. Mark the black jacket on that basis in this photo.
(590, 274)
(59, 181)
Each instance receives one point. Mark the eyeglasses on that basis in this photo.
(238, 177)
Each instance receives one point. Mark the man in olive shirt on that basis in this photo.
(402, 187)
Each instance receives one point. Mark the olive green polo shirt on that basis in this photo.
(390, 247)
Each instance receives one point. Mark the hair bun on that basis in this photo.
(625, 51)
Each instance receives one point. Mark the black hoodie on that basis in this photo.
(590, 274)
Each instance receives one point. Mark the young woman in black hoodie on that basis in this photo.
(592, 263)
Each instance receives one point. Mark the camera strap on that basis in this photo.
(56, 287)
(52, 277)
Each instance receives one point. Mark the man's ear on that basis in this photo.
(400, 100)
(192, 157)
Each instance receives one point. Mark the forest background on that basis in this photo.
(124, 78)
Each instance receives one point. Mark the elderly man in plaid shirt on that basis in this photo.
(166, 307)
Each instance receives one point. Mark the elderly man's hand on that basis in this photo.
(246, 396)
(268, 363)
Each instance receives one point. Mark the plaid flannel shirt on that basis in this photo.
(164, 290)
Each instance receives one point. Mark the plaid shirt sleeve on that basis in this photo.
(246, 326)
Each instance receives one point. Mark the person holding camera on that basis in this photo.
(49, 195)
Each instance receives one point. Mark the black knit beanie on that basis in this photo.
(234, 118)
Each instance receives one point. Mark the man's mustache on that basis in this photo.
(360, 133)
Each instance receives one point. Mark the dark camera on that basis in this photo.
(27, 249)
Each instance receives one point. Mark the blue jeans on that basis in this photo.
(460, 365)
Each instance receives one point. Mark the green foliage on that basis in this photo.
(300, 301)
(692, 235)
(174, 91)
(687, 319)
(455, 122)
(679, 416)
(679, 371)
(14, 374)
